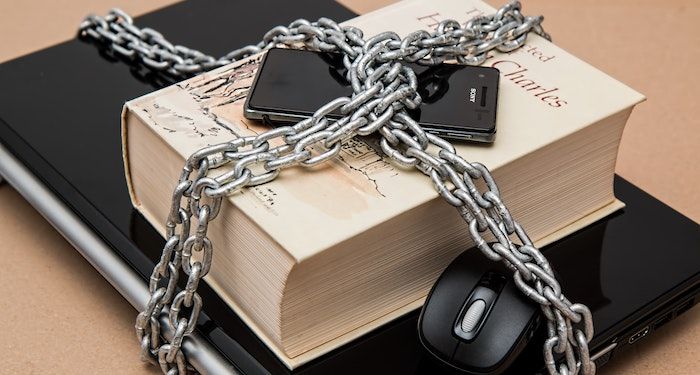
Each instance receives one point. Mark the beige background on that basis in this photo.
(61, 317)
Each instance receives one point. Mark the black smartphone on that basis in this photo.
(459, 102)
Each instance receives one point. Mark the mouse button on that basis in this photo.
(440, 310)
(434, 333)
(447, 297)
(444, 304)
(474, 312)
(504, 332)
(490, 351)
(473, 316)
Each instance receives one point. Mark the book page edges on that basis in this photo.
(128, 109)
(294, 362)
(319, 350)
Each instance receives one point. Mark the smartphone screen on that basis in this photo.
(459, 102)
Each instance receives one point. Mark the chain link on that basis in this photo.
(383, 90)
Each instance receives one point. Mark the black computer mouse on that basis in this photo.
(475, 319)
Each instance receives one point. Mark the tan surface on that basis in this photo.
(62, 317)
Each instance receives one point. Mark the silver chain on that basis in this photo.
(383, 90)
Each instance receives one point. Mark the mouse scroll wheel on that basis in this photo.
(473, 316)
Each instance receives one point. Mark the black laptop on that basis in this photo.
(60, 147)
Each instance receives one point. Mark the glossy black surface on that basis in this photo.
(59, 114)
(299, 82)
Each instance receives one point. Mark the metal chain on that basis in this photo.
(383, 89)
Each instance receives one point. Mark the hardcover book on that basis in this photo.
(318, 257)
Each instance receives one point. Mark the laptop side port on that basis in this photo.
(639, 335)
(684, 307)
(663, 320)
